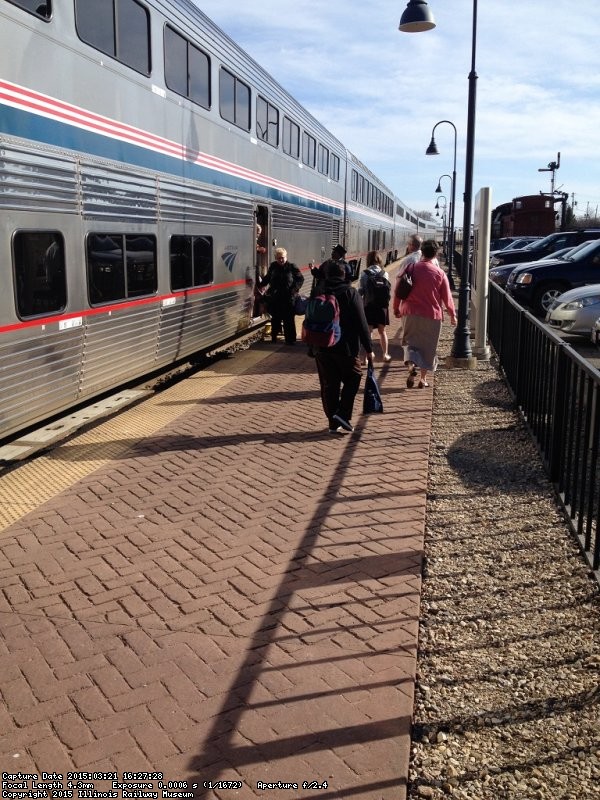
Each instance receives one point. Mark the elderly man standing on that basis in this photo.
(413, 256)
(284, 280)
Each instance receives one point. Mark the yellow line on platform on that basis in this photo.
(24, 489)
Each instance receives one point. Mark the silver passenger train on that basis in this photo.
(139, 148)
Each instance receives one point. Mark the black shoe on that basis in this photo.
(343, 422)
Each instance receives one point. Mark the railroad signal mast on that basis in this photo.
(552, 167)
(562, 196)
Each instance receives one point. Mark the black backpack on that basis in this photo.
(378, 290)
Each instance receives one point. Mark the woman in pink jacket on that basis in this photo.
(423, 312)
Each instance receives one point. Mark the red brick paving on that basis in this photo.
(237, 598)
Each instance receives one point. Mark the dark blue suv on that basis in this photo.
(538, 283)
(543, 247)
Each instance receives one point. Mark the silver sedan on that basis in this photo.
(576, 311)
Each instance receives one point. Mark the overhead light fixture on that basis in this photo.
(417, 17)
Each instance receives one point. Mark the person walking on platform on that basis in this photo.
(284, 280)
(338, 255)
(423, 312)
(413, 255)
(375, 290)
(339, 366)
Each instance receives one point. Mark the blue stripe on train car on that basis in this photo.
(24, 125)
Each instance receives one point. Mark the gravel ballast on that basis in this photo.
(507, 701)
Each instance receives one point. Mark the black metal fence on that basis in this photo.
(558, 394)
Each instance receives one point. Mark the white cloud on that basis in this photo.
(381, 91)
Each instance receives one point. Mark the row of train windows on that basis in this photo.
(363, 191)
(119, 267)
(121, 29)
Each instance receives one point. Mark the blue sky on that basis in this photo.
(381, 91)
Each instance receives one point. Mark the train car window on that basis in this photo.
(309, 150)
(323, 163)
(119, 28)
(187, 69)
(267, 122)
(176, 62)
(199, 68)
(291, 138)
(142, 275)
(106, 273)
(39, 273)
(334, 168)
(361, 189)
(120, 266)
(234, 100)
(36, 7)
(191, 259)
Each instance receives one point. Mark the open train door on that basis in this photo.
(262, 215)
(262, 219)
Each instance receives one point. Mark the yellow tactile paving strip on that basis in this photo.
(34, 483)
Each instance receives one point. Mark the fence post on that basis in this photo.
(559, 415)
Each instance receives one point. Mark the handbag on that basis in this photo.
(372, 402)
(405, 284)
(300, 302)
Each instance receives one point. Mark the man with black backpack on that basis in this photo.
(338, 365)
(376, 291)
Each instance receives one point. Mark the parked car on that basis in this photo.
(542, 247)
(518, 244)
(499, 275)
(576, 311)
(537, 285)
(596, 333)
(502, 242)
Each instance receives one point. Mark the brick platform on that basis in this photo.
(235, 598)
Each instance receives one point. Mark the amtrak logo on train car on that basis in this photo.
(229, 257)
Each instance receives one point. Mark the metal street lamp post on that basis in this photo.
(418, 17)
(433, 151)
(445, 234)
(438, 190)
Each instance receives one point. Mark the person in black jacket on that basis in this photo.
(339, 366)
(284, 280)
(338, 254)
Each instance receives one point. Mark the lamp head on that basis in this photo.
(437, 205)
(432, 149)
(417, 17)
(438, 188)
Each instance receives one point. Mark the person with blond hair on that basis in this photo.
(284, 281)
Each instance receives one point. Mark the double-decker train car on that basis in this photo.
(139, 150)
